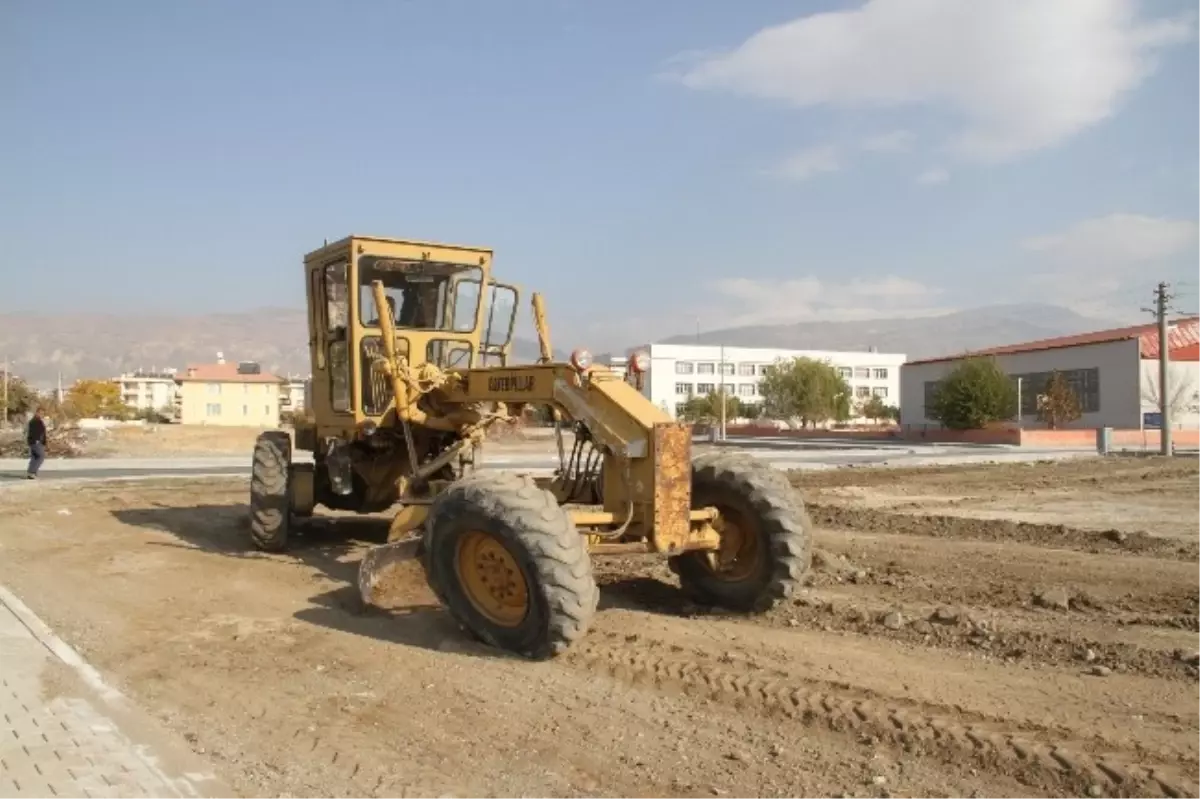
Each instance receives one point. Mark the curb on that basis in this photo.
(115, 699)
(61, 649)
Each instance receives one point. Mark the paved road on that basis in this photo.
(804, 455)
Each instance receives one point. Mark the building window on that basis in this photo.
(846, 372)
(706, 369)
(745, 369)
(213, 409)
(862, 391)
(245, 410)
(862, 373)
(746, 390)
(266, 410)
(683, 388)
(214, 388)
(704, 389)
(684, 367)
(762, 368)
(245, 388)
(879, 391)
(680, 408)
(727, 369)
(1084, 382)
(881, 374)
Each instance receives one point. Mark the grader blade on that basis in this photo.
(381, 558)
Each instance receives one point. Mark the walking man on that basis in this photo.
(36, 439)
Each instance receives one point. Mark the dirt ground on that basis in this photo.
(1013, 630)
(173, 440)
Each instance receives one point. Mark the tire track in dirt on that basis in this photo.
(1010, 575)
(998, 619)
(1036, 758)
(1052, 536)
(966, 629)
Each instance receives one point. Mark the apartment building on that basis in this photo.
(228, 394)
(148, 390)
(293, 394)
(679, 372)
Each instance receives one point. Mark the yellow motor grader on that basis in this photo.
(410, 344)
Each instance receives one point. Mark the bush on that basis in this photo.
(975, 394)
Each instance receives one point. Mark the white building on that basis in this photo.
(148, 391)
(679, 372)
(1113, 372)
(293, 394)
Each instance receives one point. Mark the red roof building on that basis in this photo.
(228, 394)
(1113, 372)
(1182, 337)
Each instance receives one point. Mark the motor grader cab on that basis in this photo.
(410, 346)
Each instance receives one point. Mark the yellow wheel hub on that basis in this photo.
(737, 557)
(491, 579)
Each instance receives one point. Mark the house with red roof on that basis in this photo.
(228, 394)
(1113, 372)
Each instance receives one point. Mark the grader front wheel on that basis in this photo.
(507, 562)
(765, 535)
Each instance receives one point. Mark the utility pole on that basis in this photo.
(4, 404)
(1164, 367)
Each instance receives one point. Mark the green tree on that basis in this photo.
(20, 399)
(1059, 404)
(975, 393)
(96, 398)
(893, 413)
(707, 409)
(805, 389)
(874, 409)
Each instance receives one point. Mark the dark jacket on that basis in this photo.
(37, 432)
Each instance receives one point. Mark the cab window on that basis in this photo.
(420, 295)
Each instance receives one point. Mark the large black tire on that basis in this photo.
(760, 501)
(539, 537)
(270, 500)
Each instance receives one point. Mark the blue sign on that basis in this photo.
(1152, 421)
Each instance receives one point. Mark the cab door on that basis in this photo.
(496, 343)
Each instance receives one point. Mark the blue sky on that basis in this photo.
(644, 165)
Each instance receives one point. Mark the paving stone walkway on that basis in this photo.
(59, 734)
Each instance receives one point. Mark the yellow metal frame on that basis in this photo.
(647, 465)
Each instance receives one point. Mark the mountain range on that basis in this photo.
(41, 347)
(921, 337)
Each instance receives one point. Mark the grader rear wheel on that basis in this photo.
(765, 535)
(270, 498)
(507, 562)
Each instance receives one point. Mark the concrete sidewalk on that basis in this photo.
(63, 732)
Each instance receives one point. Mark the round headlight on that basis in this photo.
(581, 359)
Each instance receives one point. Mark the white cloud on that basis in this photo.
(933, 176)
(897, 141)
(1116, 241)
(761, 301)
(809, 163)
(1102, 266)
(1021, 74)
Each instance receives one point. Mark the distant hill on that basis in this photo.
(104, 345)
(39, 346)
(924, 337)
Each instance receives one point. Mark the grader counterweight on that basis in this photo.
(410, 345)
